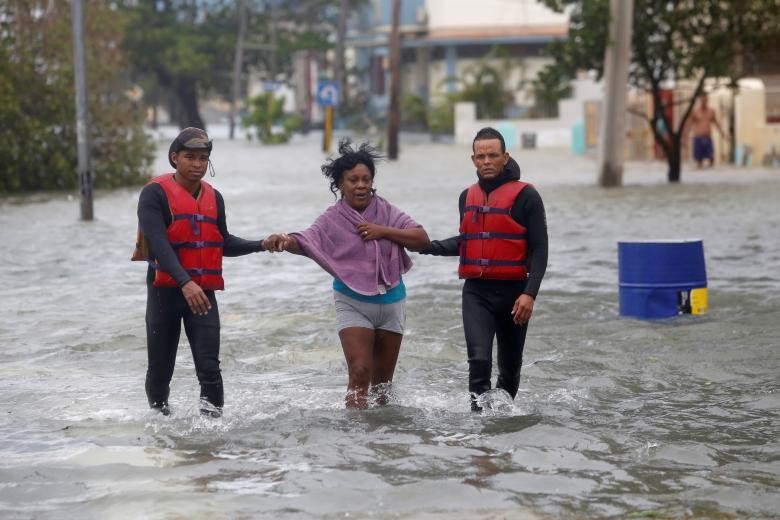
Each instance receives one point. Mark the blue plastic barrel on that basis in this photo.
(660, 279)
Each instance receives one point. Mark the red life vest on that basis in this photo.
(193, 234)
(492, 243)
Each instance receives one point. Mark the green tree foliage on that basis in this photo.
(184, 49)
(414, 112)
(672, 41)
(37, 100)
(551, 85)
(301, 25)
(485, 84)
(441, 116)
(267, 116)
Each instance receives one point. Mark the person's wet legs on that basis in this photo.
(479, 329)
(162, 341)
(510, 343)
(387, 345)
(358, 346)
(163, 328)
(203, 333)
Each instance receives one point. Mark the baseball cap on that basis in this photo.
(191, 138)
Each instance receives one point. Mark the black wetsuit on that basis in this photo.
(487, 304)
(166, 308)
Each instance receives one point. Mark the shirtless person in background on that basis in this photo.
(702, 119)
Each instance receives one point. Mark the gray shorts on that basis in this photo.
(354, 313)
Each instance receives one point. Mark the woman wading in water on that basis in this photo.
(361, 242)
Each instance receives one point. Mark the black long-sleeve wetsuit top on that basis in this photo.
(154, 217)
(527, 210)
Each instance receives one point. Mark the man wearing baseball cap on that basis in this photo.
(183, 235)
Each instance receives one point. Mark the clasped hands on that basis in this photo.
(277, 242)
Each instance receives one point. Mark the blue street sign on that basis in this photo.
(328, 93)
(271, 86)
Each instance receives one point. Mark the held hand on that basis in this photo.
(276, 242)
(196, 298)
(370, 231)
(524, 306)
(288, 242)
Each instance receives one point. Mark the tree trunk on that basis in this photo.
(673, 160)
(675, 157)
(174, 107)
(187, 94)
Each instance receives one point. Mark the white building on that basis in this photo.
(443, 39)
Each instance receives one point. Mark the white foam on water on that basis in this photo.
(496, 401)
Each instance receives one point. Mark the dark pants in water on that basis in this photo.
(487, 314)
(166, 309)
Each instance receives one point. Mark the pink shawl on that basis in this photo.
(333, 242)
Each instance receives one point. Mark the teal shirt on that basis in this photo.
(393, 295)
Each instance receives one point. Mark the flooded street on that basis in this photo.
(615, 417)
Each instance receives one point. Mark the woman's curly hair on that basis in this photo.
(348, 158)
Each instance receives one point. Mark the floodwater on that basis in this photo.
(615, 417)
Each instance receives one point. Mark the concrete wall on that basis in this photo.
(754, 138)
(548, 133)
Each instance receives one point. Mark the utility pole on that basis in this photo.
(274, 43)
(238, 63)
(270, 7)
(613, 109)
(82, 114)
(338, 63)
(394, 107)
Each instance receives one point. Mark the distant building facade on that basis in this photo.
(441, 39)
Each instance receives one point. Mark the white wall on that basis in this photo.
(550, 133)
(445, 14)
(751, 128)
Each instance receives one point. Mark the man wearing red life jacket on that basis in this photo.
(503, 257)
(183, 235)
